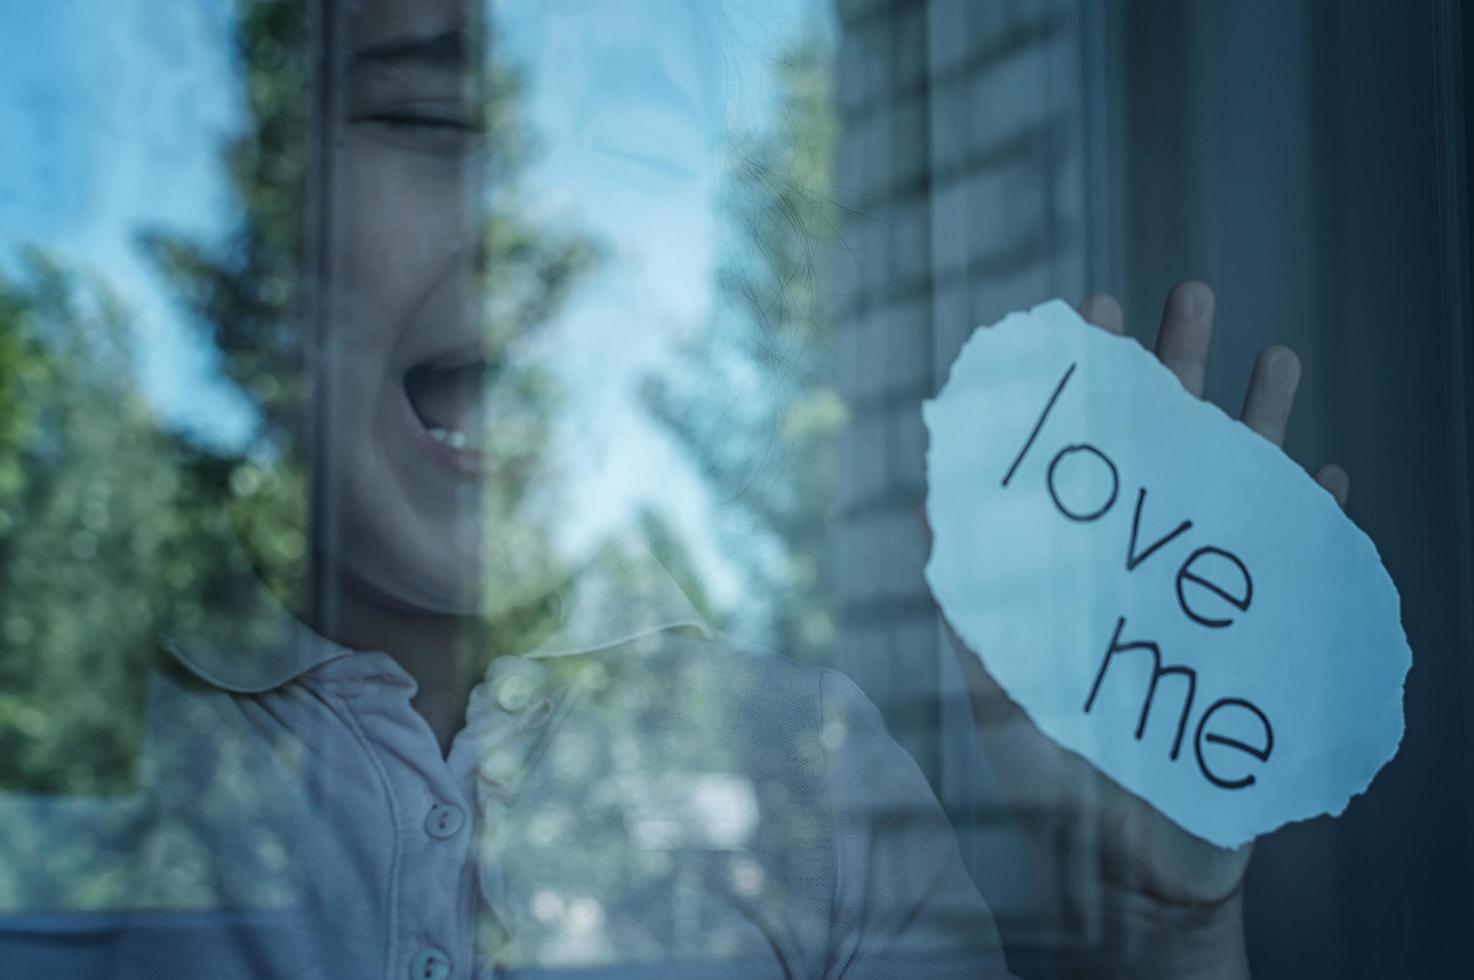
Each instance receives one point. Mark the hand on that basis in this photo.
(1172, 899)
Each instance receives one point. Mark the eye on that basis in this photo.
(425, 128)
(411, 120)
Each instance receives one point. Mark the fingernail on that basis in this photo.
(1283, 366)
(1199, 301)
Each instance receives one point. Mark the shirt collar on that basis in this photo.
(620, 595)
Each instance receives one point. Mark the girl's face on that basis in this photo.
(468, 394)
(399, 477)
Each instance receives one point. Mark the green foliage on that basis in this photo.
(92, 540)
(113, 531)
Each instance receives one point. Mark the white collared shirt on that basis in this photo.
(637, 796)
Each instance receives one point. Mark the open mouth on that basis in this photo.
(448, 397)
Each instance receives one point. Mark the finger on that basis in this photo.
(1102, 310)
(1271, 394)
(1336, 481)
(1186, 330)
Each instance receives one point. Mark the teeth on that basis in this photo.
(453, 438)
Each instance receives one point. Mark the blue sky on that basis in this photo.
(118, 110)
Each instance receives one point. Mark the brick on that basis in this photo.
(993, 299)
(866, 252)
(841, 545)
(910, 242)
(960, 306)
(1005, 208)
(840, 282)
(858, 253)
(908, 440)
(905, 549)
(848, 353)
(948, 25)
(875, 135)
(908, 346)
(871, 235)
(891, 551)
(851, 11)
(872, 362)
(908, 142)
(947, 126)
(952, 324)
(1009, 97)
(875, 45)
(875, 575)
(949, 233)
(849, 74)
(862, 459)
(909, 37)
(849, 170)
(913, 652)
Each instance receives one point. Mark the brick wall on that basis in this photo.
(966, 169)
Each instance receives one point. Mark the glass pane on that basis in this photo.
(466, 505)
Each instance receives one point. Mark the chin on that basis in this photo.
(434, 593)
(411, 581)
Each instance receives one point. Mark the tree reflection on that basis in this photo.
(97, 533)
(764, 438)
(115, 530)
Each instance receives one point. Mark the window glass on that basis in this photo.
(464, 482)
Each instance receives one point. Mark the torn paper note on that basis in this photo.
(1162, 590)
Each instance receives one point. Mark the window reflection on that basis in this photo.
(371, 369)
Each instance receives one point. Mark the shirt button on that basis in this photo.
(430, 963)
(515, 692)
(444, 820)
(517, 682)
(500, 766)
